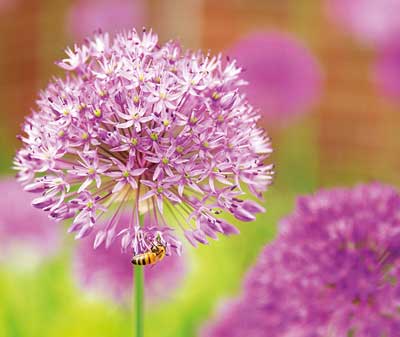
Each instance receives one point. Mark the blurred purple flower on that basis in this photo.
(109, 271)
(87, 16)
(27, 235)
(371, 21)
(386, 71)
(333, 271)
(6, 5)
(145, 127)
(285, 78)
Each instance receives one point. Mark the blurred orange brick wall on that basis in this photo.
(357, 129)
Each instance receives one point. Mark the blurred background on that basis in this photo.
(325, 75)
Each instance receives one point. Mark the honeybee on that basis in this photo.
(153, 256)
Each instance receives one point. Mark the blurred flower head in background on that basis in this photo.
(5, 5)
(109, 272)
(371, 21)
(87, 16)
(27, 235)
(386, 70)
(148, 128)
(285, 78)
(334, 270)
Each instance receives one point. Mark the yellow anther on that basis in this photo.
(97, 112)
(216, 95)
(216, 210)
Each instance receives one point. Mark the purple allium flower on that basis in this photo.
(333, 271)
(285, 77)
(87, 16)
(386, 71)
(109, 272)
(27, 236)
(371, 21)
(143, 127)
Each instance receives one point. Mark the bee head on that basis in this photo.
(158, 246)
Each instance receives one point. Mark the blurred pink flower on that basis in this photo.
(5, 5)
(27, 235)
(108, 271)
(386, 70)
(285, 78)
(371, 21)
(87, 16)
(334, 270)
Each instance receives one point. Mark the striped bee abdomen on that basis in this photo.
(156, 254)
(144, 259)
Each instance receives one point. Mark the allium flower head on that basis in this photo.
(108, 271)
(371, 21)
(333, 271)
(285, 77)
(86, 16)
(27, 236)
(145, 128)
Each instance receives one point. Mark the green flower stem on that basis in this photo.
(138, 296)
(139, 301)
